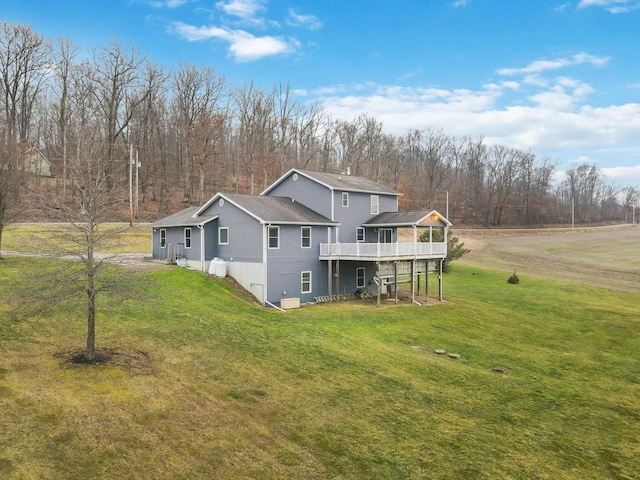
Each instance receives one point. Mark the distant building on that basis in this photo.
(37, 163)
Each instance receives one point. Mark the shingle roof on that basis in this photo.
(343, 182)
(183, 218)
(278, 209)
(407, 219)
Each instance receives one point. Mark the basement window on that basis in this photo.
(360, 277)
(305, 286)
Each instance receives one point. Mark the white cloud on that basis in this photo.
(627, 175)
(459, 3)
(244, 9)
(552, 124)
(168, 3)
(540, 66)
(296, 19)
(243, 46)
(612, 6)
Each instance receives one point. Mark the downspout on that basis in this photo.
(265, 236)
(333, 212)
(201, 227)
(273, 306)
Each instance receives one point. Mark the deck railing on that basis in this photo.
(383, 250)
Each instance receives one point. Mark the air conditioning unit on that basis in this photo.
(289, 303)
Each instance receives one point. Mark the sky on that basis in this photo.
(555, 77)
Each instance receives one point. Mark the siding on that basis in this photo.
(245, 233)
(306, 191)
(175, 235)
(286, 264)
(359, 212)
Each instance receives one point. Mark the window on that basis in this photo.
(360, 277)
(375, 204)
(223, 236)
(187, 238)
(360, 234)
(345, 199)
(305, 235)
(305, 286)
(163, 238)
(274, 237)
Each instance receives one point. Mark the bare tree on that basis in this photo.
(117, 88)
(24, 58)
(431, 150)
(199, 102)
(66, 52)
(255, 142)
(93, 200)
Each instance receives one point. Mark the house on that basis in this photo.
(37, 163)
(310, 236)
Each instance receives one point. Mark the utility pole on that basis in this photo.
(136, 199)
(447, 213)
(573, 213)
(130, 185)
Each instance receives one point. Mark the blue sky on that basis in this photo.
(559, 78)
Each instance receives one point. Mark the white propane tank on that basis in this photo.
(212, 266)
(221, 268)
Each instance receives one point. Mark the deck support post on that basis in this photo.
(426, 281)
(395, 281)
(330, 277)
(379, 281)
(440, 279)
(413, 280)
(338, 279)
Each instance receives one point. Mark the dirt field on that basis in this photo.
(605, 257)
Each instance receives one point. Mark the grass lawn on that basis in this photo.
(50, 237)
(231, 390)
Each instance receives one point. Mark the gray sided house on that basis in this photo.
(309, 237)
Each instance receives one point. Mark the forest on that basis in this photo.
(185, 133)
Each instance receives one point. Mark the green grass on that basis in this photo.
(49, 237)
(329, 391)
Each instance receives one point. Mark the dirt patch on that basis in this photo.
(135, 363)
(604, 257)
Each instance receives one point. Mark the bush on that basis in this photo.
(513, 279)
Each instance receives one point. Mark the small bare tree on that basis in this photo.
(92, 200)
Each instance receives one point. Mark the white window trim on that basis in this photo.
(163, 238)
(364, 272)
(360, 238)
(190, 238)
(220, 229)
(375, 204)
(302, 237)
(345, 196)
(269, 238)
(302, 282)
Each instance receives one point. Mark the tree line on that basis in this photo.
(194, 134)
